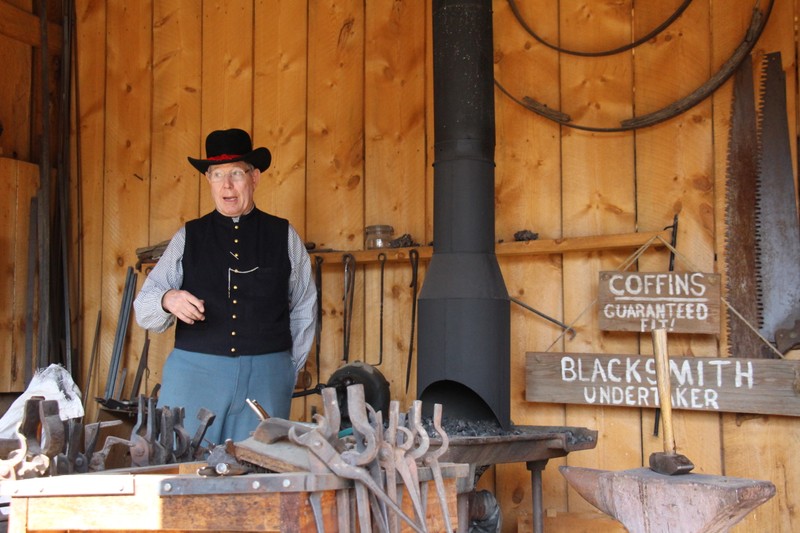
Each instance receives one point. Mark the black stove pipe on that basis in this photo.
(464, 310)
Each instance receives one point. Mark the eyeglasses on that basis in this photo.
(237, 175)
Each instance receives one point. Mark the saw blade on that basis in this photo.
(740, 218)
(777, 225)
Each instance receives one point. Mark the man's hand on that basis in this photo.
(184, 305)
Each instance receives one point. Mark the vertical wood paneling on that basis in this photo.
(20, 182)
(88, 170)
(26, 188)
(127, 162)
(672, 162)
(394, 108)
(15, 99)
(175, 186)
(394, 174)
(227, 72)
(335, 156)
(528, 196)
(335, 149)
(598, 198)
(8, 201)
(15, 93)
(279, 106)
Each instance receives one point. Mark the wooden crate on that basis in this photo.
(144, 500)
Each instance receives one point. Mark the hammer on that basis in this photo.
(668, 462)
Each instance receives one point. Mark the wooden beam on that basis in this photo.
(24, 27)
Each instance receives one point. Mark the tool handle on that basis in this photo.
(664, 388)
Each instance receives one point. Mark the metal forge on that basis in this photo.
(464, 308)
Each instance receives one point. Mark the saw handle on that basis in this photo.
(661, 355)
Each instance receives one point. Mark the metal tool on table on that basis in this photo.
(222, 461)
(141, 436)
(260, 412)
(91, 435)
(418, 452)
(159, 453)
(405, 462)
(363, 455)
(319, 446)
(387, 438)
(183, 440)
(98, 459)
(71, 460)
(431, 459)
(166, 434)
(762, 227)
(668, 462)
(206, 418)
(375, 456)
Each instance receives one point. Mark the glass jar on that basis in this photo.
(377, 236)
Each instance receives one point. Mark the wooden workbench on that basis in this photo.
(140, 500)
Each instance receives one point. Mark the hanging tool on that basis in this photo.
(778, 224)
(740, 208)
(563, 326)
(673, 243)
(382, 262)
(762, 229)
(347, 313)
(668, 462)
(413, 256)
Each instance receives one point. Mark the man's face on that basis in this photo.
(232, 187)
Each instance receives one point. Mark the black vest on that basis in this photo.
(241, 272)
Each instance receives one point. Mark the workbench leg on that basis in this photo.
(536, 468)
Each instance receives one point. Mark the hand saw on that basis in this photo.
(762, 230)
(778, 241)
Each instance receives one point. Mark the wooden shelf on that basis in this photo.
(537, 247)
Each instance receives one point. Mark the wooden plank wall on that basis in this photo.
(341, 92)
(20, 181)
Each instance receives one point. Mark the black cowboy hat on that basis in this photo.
(229, 146)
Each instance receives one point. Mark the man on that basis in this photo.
(237, 283)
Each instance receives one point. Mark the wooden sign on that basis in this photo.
(734, 385)
(680, 302)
